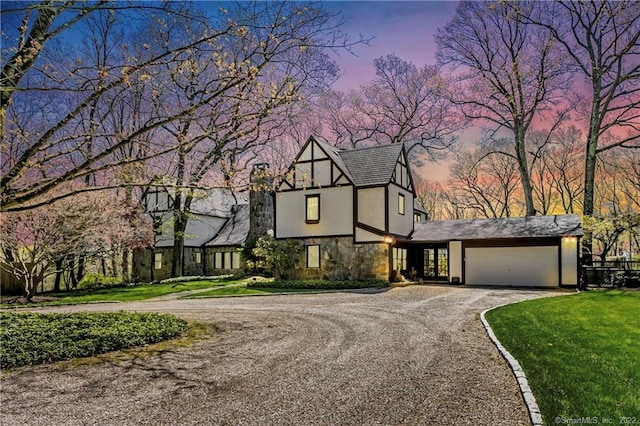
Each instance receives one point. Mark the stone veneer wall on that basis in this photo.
(261, 209)
(143, 265)
(190, 266)
(341, 259)
(210, 253)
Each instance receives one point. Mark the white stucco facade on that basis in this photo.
(336, 213)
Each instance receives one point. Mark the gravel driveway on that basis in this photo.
(412, 355)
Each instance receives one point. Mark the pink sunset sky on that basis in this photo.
(404, 28)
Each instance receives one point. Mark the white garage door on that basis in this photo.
(516, 266)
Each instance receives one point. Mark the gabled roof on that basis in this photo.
(235, 230)
(334, 154)
(372, 166)
(217, 202)
(514, 227)
(418, 207)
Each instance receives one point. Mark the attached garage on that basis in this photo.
(538, 251)
(522, 266)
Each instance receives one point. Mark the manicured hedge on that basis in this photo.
(32, 338)
(318, 284)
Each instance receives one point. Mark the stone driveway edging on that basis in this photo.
(527, 394)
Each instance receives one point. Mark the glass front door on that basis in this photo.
(436, 263)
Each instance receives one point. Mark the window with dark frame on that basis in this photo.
(313, 256)
(401, 204)
(312, 210)
(226, 260)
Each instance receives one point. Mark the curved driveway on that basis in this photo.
(412, 355)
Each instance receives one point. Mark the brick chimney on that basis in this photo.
(260, 202)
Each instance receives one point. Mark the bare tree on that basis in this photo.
(563, 160)
(433, 197)
(603, 40)
(38, 158)
(511, 71)
(403, 104)
(486, 181)
(214, 143)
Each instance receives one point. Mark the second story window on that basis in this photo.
(312, 208)
(400, 204)
(417, 217)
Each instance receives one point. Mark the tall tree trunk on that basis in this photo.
(126, 277)
(72, 274)
(590, 169)
(56, 283)
(180, 211)
(525, 177)
(181, 218)
(178, 250)
(29, 285)
(82, 261)
(114, 265)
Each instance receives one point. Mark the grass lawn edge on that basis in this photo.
(284, 293)
(29, 306)
(529, 399)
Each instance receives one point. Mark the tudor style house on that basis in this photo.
(220, 222)
(356, 214)
(352, 209)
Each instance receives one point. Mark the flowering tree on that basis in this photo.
(33, 242)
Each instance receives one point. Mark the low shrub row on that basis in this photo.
(32, 338)
(187, 279)
(93, 281)
(318, 284)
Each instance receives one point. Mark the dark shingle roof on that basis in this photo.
(235, 230)
(217, 202)
(372, 166)
(515, 227)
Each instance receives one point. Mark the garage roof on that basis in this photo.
(513, 227)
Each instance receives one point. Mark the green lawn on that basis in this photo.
(219, 287)
(241, 290)
(581, 353)
(138, 292)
